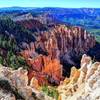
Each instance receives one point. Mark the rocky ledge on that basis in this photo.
(84, 83)
(14, 86)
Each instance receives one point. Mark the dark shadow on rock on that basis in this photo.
(95, 52)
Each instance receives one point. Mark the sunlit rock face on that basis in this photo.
(32, 24)
(17, 79)
(45, 70)
(61, 41)
(55, 51)
(83, 84)
(14, 86)
(66, 44)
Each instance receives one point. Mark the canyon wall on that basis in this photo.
(54, 50)
(83, 83)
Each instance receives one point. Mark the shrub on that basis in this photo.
(50, 91)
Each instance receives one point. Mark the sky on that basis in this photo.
(51, 3)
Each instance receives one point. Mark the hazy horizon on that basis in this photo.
(51, 3)
(50, 7)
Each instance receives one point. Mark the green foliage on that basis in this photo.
(50, 91)
(10, 36)
(22, 62)
(96, 33)
(7, 43)
(1, 60)
(15, 61)
(16, 30)
(10, 59)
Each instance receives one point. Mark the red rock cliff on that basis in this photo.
(61, 43)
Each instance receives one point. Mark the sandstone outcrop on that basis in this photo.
(83, 83)
(32, 24)
(60, 45)
(63, 42)
(14, 86)
(45, 70)
(6, 96)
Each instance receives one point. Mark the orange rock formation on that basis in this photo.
(59, 41)
(83, 83)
